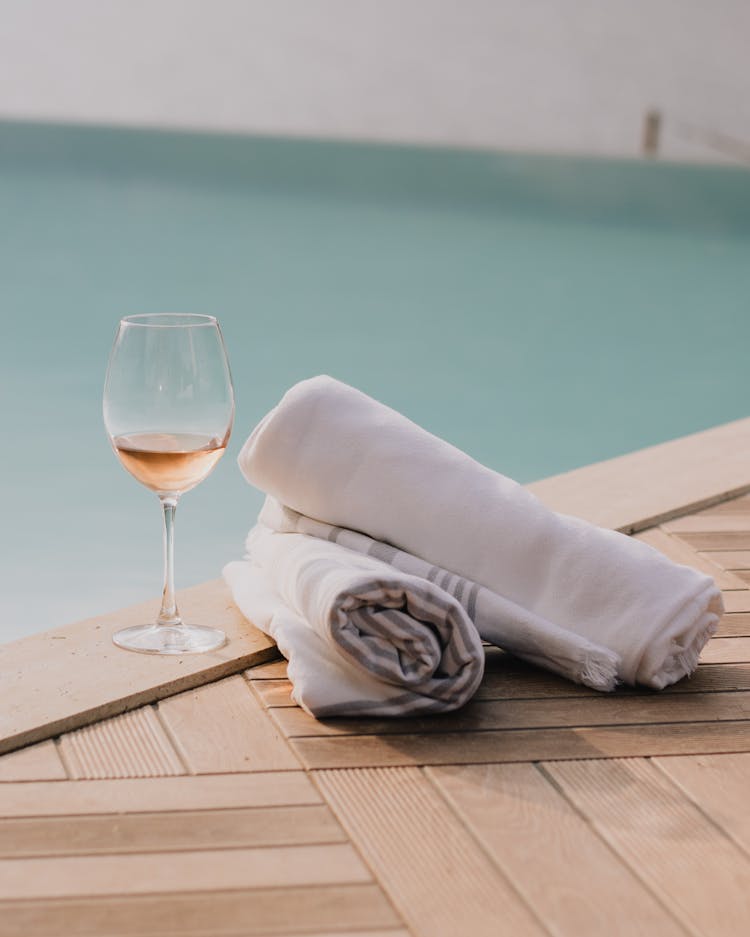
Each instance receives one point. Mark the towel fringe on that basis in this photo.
(599, 670)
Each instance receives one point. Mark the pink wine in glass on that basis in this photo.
(169, 462)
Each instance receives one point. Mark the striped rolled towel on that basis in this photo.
(360, 636)
(498, 620)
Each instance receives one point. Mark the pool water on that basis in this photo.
(539, 312)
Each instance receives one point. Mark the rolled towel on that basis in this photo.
(497, 619)
(395, 644)
(332, 453)
(323, 683)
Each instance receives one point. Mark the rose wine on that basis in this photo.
(169, 463)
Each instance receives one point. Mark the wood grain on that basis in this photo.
(719, 785)
(223, 727)
(734, 625)
(708, 521)
(205, 870)
(37, 762)
(440, 881)
(529, 714)
(172, 831)
(717, 540)
(550, 854)
(739, 505)
(679, 552)
(73, 676)
(133, 745)
(730, 559)
(253, 913)
(726, 651)
(737, 601)
(143, 795)
(505, 677)
(522, 745)
(708, 677)
(699, 874)
(273, 670)
(274, 692)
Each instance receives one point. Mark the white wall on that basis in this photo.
(560, 75)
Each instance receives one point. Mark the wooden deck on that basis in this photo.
(542, 808)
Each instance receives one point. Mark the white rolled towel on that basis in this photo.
(334, 454)
(360, 637)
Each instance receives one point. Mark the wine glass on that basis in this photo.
(168, 410)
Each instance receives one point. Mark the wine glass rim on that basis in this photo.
(169, 320)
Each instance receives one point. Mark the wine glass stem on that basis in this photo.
(168, 614)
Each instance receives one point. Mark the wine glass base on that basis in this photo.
(170, 639)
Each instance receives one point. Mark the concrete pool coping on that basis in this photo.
(73, 676)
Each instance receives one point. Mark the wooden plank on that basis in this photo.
(713, 540)
(438, 878)
(706, 521)
(273, 670)
(679, 552)
(70, 677)
(39, 762)
(216, 914)
(726, 651)
(173, 831)
(719, 785)
(204, 870)
(699, 874)
(517, 680)
(274, 693)
(529, 714)
(506, 677)
(739, 505)
(350, 933)
(644, 488)
(734, 625)
(133, 745)
(738, 601)
(460, 748)
(223, 727)
(550, 854)
(730, 559)
(144, 795)
(709, 677)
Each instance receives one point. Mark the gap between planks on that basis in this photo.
(255, 913)
(718, 785)
(174, 831)
(223, 727)
(141, 795)
(432, 868)
(508, 715)
(695, 868)
(579, 886)
(522, 745)
(202, 870)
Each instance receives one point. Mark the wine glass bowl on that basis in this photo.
(168, 410)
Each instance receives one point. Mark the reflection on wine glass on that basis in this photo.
(168, 409)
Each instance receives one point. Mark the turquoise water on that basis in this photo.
(539, 312)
